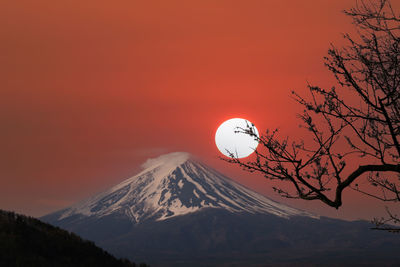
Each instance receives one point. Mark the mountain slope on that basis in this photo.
(213, 237)
(27, 241)
(174, 185)
(178, 212)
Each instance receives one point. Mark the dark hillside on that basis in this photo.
(26, 241)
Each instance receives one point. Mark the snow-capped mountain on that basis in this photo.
(179, 212)
(172, 185)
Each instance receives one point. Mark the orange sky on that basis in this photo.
(91, 89)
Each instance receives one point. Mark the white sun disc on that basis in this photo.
(228, 140)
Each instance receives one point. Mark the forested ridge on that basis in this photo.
(26, 241)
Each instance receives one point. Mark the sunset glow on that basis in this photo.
(91, 89)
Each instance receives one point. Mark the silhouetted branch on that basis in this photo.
(350, 136)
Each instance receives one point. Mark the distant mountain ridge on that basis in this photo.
(179, 212)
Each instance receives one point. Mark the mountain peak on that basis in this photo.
(173, 185)
(165, 161)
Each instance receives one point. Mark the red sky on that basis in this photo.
(91, 89)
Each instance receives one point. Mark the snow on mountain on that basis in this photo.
(173, 185)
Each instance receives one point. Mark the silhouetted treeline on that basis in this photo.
(26, 241)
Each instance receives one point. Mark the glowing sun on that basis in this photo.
(229, 140)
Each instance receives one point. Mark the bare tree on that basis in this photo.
(354, 127)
